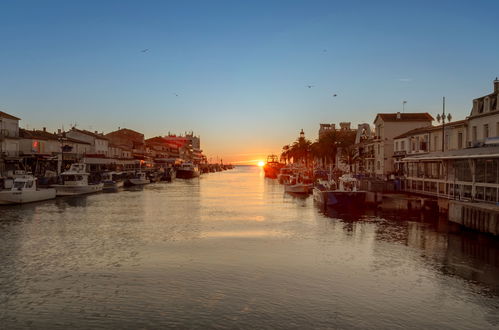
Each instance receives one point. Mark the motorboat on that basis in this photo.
(187, 170)
(112, 181)
(346, 194)
(284, 175)
(138, 179)
(75, 182)
(272, 167)
(298, 184)
(24, 190)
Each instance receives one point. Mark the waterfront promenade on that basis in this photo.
(232, 250)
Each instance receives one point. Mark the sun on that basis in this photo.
(261, 163)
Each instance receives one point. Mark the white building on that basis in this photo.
(387, 127)
(99, 143)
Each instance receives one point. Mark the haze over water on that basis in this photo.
(231, 250)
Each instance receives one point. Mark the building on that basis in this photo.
(469, 174)
(387, 127)
(428, 139)
(129, 141)
(98, 142)
(9, 140)
(483, 121)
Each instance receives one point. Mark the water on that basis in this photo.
(231, 250)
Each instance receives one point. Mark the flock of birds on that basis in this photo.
(308, 86)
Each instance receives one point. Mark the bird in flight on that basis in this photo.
(145, 50)
(334, 95)
(309, 86)
(175, 94)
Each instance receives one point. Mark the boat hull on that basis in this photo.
(67, 190)
(340, 199)
(112, 185)
(21, 197)
(297, 188)
(137, 182)
(187, 174)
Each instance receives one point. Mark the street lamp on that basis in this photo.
(442, 118)
(403, 106)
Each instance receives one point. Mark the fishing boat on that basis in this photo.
(75, 182)
(187, 170)
(112, 181)
(169, 174)
(24, 190)
(138, 179)
(344, 195)
(298, 184)
(272, 167)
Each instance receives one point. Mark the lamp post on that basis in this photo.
(442, 118)
(403, 106)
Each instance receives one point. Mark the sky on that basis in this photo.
(236, 72)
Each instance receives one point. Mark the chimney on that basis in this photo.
(45, 129)
(399, 116)
(496, 85)
(59, 131)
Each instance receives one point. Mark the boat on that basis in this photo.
(75, 182)
(187, 170)
(154, 176)
(285, 174)
(112, 181)
(169, 174)
(272, 167)
(24, 190)
(344, 195)
(298, 184)
(138, 179)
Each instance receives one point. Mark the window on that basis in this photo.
(460, 140)
(396, 145)
(378, 165)
(473, 133)
(403, 145)
(485, 131)
(435, 143)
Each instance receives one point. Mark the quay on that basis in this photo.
(407, 163)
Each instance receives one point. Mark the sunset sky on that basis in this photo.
(240, 68)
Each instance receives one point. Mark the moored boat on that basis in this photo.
(272, 167)
(112, 181)
(138, 179)
(346, 195)
(187, 170)
(298, 184)
(75, 182)
(24, 190)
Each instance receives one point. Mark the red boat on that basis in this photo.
(272, 167)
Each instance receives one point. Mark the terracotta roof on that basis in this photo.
(95, 135)
(76, 141)
(429, 128)
(6, 115)
(37, 134)
(416, 116)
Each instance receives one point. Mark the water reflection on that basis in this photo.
(232, 250)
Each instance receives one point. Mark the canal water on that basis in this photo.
(232, 250)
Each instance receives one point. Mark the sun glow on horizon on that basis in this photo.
(261, 163)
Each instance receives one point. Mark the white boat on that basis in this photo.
(112, 181)
(138, 179)
(298, 185)
(187, 170)
(346, 195)
(24, 190)
(75, 182)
